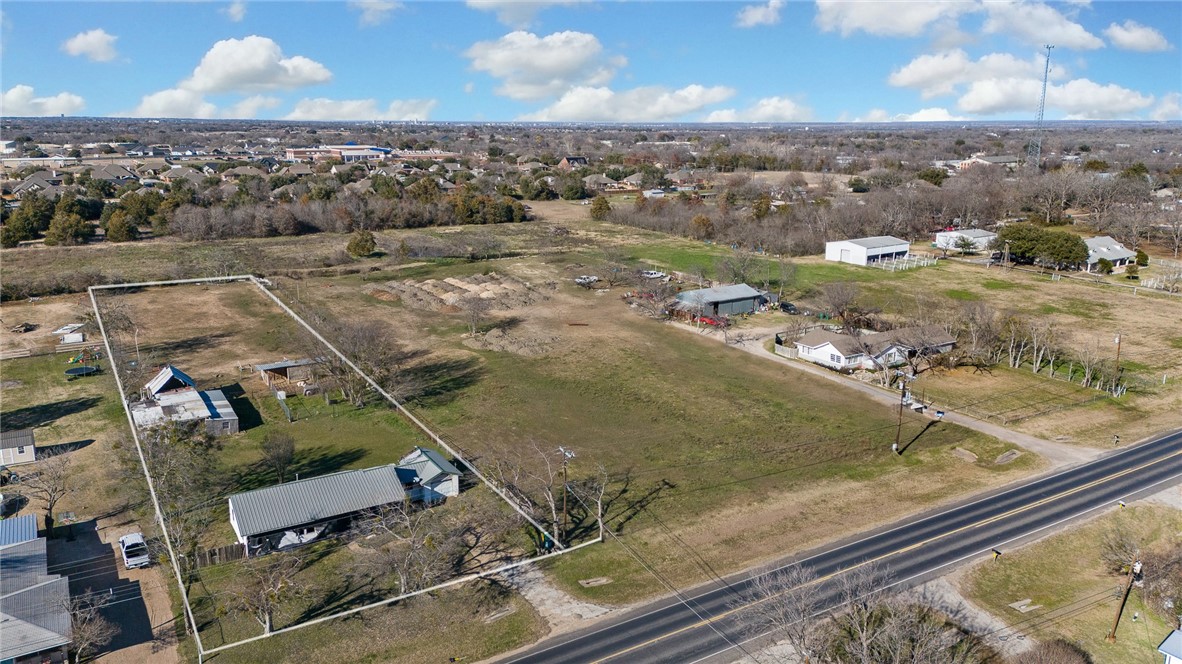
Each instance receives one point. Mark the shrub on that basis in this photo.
(362, 243)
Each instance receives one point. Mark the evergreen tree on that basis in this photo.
(600, 208)
(361, 244)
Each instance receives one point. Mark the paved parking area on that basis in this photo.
(140, 605)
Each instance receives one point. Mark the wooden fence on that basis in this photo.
(219, 555)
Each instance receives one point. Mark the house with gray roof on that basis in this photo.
(877, 350)
(1105, 247)
(1171, 647)
(430, 477)
(34, 604)
(172, 396)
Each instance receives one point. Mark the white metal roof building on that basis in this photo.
(34, 610)
(981, 238)
(1107, 247)
(866, 250)
(187, 405)
(295, 512)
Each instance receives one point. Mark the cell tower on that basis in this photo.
(1034, 150)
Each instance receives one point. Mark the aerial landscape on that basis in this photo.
(574, 331)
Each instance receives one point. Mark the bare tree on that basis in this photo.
(278, 452)
(840, 298)
(736, 267)
(856, 626)
(475, 310)
(785, 602)
(414, 545)
(267, 583)
(90, 631)
(787, 273)
(1057, 651)
(616, 268)
(1118, 549)
(370, 347)
(181, 458)
(50, 482)
(1171, 232)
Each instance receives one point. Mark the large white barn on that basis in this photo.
(866, 250)
(949, 239)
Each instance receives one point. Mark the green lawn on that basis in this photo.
(1063, 573)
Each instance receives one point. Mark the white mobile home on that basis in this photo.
(866, 250)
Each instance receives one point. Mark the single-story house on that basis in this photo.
(287, 371)
(294, 513)
(172, 396)
(720, 300)
(431, 478)
(1106, 247)
(598, 182)
(875, 350)
(17, 447)
(830, 349)
(34, 604)
(866, 250)
(950, 240)
(1171, 647)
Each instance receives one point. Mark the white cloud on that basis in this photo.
(1079, 98)
(235, 11)
(933, 114)
(469, 87)
(896, 19)
(517, 13)
(533, 67)
(95, 44)
(645, 104)
(249, 108)
(253, 64)
(768, 109)
(1038, 23)
(373, 12)
(753, 15)
(361, 109)
(1133, 36)
(941, 73)
(1169, 108)
(174, 103)
(19, 101)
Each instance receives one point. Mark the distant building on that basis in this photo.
(950, 240)
(866, 250)
(571, 163)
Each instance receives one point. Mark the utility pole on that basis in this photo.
(1116, 375)
(567, 455)
(1134, 569)
(902, 399)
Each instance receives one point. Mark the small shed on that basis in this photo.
(430, 477)
(866, 250)
(287, 371)
(720, 300)
(17, 447)
(170, 379)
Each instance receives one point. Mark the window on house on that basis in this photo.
(20, 450)
(836, 359)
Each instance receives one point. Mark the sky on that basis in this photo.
(592, 60)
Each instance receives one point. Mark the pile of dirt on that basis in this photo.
(501, 292)
(384, 295)
(517, 340)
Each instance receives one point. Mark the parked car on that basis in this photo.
(135, 551)
(789, 308)
(653, 274)
(707, 320)
(586, 280)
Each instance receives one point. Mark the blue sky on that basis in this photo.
(592, 60)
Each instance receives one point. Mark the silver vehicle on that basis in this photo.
(586, 280)
(135, 551)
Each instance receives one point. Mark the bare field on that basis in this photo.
(737, 457)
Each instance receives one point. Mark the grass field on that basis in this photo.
(1003, 395)
(1064, 575)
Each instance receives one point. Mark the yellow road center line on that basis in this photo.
(871, 561)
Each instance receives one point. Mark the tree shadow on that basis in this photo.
(248, 416)
(439, 383)
(46, 413)
(168, 349)
(351, 590)
(503, 324)
(308, 462)
(62, 448)
(622, 502)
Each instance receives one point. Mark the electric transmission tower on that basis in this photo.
(1034, 150)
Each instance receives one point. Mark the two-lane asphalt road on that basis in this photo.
(702, 624)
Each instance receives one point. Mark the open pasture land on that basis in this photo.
(1064, 576)
(718, 458)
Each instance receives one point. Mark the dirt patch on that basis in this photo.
(1007, 457)
(965, 454)
(47, 314)
(522, 341)
(10, 384)
(501, 292)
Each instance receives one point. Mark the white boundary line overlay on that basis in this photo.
(261, 284)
